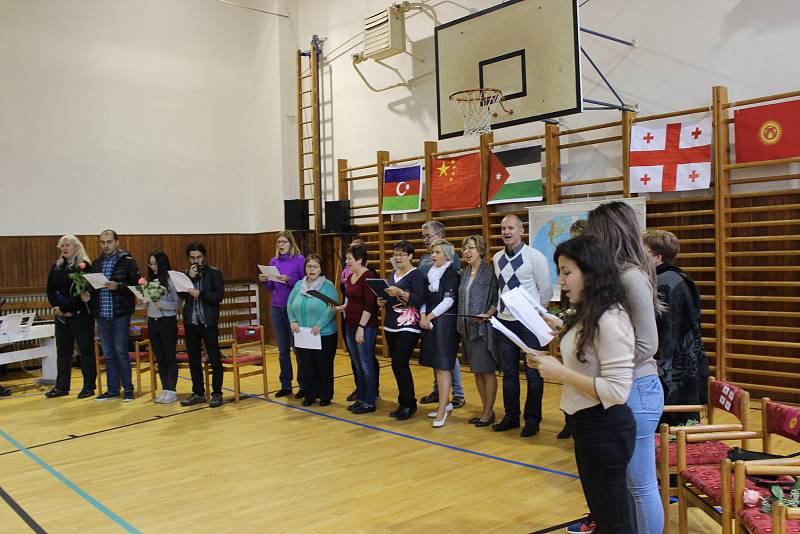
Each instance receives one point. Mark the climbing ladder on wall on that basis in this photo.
(308, 133)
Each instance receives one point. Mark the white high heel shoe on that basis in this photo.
(448, 408)
(439, 424)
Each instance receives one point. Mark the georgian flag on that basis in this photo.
(670, 157)
(401, 188)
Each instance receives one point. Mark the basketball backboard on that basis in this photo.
(528, 49)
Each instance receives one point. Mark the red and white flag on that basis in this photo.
(670, 157)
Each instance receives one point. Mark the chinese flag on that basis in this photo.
(767, 132)
(456, 183)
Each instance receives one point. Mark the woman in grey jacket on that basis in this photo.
(477, 302)
(162, 326)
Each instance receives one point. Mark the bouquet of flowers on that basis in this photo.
(777, 495)
(79, 283)
(152, 290)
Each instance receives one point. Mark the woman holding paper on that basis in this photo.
(290, 264)
(439, 335)
(162, 326)
(307, 312)
(477, 302)
(597, 347)
(73, 322)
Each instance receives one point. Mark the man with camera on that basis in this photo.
(200, 318)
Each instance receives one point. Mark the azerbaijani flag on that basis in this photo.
(515, 175)
(401, 188)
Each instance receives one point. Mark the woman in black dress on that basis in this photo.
(439, 336)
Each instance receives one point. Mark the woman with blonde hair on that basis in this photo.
(291, 266)
(73, 321)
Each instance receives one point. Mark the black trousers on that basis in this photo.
(318, 368)
(401, 346)
(604, 442)
(163, 333)
(209, 335)
(70, 330)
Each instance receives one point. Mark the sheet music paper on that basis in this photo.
(271, 272)
(97, 280)
(181, 282)
(304, 339)
(141, 295)
(510, 335)
(524, 308)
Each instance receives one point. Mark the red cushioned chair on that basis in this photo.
(141, 359)
(721, 396)
(711, 488)
(751, 520)
(247, 350)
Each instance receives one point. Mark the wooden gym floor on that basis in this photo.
(272, 465)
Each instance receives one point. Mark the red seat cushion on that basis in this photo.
(758, 522)
(141, 355)
(707, 479)
(182, 356)
(243, 358)
(704, 453)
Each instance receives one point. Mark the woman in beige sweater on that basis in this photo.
(597, 346)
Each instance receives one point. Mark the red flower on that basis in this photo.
(82, 265)
(142, 281)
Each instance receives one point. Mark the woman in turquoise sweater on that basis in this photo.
(309, 312)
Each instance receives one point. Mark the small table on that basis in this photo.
(46, 351)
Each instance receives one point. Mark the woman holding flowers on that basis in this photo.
(162, 322)
(66, 292)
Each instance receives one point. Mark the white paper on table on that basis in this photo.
(140, 294)
(524, 308)
(97, 280)
(510, 335)
(181, 282)
(304, 339)
(271, 272)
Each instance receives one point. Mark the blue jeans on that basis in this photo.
(363, 357)
(283, 336)
(510, 356)
(458, 388)
(114, 341)
(647, 403)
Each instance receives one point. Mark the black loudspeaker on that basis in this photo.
(337, 216)
(295, 214)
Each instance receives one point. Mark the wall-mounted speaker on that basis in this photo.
(295, 214)
(337, 216)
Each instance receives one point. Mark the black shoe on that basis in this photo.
(353, 406)
(481, 424)
(431, 398)
(506, 424)
(363, 408)
(85, 393)
(473, 420)
(308, 402)
(396, 412)
(565, 433)
(529, 430)
(300, 394)
(193, 399)
(56, 393)
(352, 396)
(325, 402)
(216, 400)
(458, 402)
(4, 391)
(405, 413)
(283, 392)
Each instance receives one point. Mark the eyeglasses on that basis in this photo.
(282, 241)
(400, 254)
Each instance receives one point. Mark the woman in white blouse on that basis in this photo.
(597, 346)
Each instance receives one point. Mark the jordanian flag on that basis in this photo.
(401, 188)
(515, 175)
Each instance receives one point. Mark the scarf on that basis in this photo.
(315, 285)
(435, 274)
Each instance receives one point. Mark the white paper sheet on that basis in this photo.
(271, 272)
(181, 282)
(139, 294)
(97, 280)
(524, 308)
(509, 334)
(304, 339)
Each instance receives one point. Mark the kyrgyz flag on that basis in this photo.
(515, 175)
(767, 132)
(401, 188)
(456, 183)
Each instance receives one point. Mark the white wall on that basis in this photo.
(147, 116)
(684, 47)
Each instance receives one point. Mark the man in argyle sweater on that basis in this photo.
(520, 265)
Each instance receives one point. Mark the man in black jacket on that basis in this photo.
(200, 318)
(113, 306)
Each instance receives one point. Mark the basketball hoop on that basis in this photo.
(477, 107)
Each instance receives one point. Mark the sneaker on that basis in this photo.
(108, 395)
(216, 400)
(127, 396)
(458, 402)
(584, 526)
(169, 397)
(193, 399)
(431, 398)
(160, 398)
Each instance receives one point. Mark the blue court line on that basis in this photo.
(71, 485)
(407, 436)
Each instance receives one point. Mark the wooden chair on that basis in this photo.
(721, 396)
(751, 520)
(710, 488)
(141, 359)
(247, 350)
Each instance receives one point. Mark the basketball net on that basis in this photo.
(477, 107)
